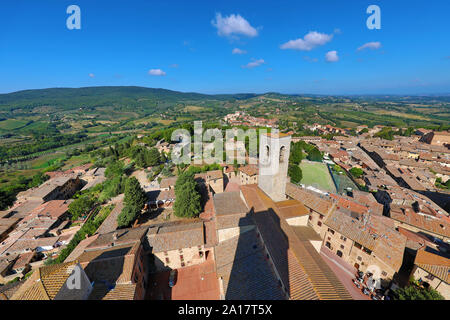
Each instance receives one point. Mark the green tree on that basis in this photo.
(114, 169)
(295, 173)
(296, 155)
(187, 202)
(134, 195)
(314, 155)
(356, 172)
(127, 216)
(81, 206)
(412, 292)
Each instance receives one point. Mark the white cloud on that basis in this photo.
(310, 41)
(174, 65)
(331, 56)
(233, 25)
(91, 75)
(370, 45)
(238, 51)
(156, 72)
(254, 63)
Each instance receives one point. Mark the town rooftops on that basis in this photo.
(22, 209)
(47, 187)
(371, 232)
(434, 264)
(406, 214)
(168, 237)
(53, 209)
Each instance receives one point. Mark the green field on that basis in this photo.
(12, 124)
(316, 174)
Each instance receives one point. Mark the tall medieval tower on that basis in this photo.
(274, 149)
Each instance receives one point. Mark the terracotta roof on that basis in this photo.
(244, 269)
(408, 216)
(414, 240)
(110, 223)
(311, 200)
(21, 210)
(291, 209)
(45, 283)
(79, 249)
(168, 237)
(348, 204)
(434, 264)
(280, 134)
(250, 170)
(23, 260)
(227, 203)
(124, 236)
(168, 182)
(371, 232)
(214, 174)
(114, 264)
(101, 291)
(51, 209)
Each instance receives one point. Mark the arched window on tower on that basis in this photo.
(282, 153)
(267, 152)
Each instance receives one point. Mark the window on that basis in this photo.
(320, 216)
(182, 264)
(282, 153)
(339, 253)
(319, 223)
(368, 251)
(330, 231)
(181, 257)
(267, 152)
(384, 273)
(342, 246)
(167, 260)
(343, 238)
(310, 218)
(359, 258)
(328, 245)
(358, 245)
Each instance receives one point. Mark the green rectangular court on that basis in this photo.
(316, 174)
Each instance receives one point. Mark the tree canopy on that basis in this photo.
(187, 202)
(414, 292)
(295, 173)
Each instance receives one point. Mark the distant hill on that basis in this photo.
(68, 98)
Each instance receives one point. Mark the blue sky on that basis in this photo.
(188, 46)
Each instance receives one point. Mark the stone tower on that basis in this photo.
(273, 164)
